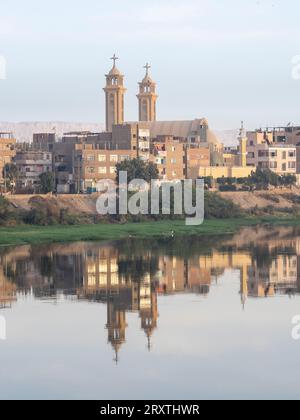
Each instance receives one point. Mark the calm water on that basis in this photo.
(178, 319)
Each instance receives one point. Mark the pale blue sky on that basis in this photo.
(226, 60)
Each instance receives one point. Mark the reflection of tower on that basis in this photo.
(116, 326)
(147, 98)
(244, 285)
(148, 308)
(114, 97)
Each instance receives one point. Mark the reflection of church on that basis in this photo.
(131, 279)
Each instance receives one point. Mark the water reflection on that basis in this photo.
(129, 276)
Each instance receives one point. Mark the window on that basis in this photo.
(90, 158)
(114, 158)
(262, 153)
(273, 154)
(292, 153)
(173, 161)
(90, 170)
(283, 155)
(173, 149)
(124, 157)
(102, 158)
(112, 170)
(273, 165)
(292, 165)
(284, 166)
(102, 170)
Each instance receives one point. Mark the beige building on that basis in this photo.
(7, 152)
(170, 159)
(279, 158)
(114, 97)
(196, 158)
(147, 98)
(91, 165)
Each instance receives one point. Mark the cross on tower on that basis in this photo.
(114, 58)
(147, 67)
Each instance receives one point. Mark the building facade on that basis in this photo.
(92, 165)
(30, 166)
(7, 153)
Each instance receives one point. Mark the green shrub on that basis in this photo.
(218, 207)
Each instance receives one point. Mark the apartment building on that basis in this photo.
(92, 164)
(43, 141)
(196, 158)
(132, 136)
(170, 158)
(281, 159)
(7, 152)
(30, 166)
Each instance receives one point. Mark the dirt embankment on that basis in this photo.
(75, 204)
(279, 199)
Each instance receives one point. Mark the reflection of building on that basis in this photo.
(130, 278)
(116, 327)
(7, 292)
(276, 276)
(177, 275)
(148, 308)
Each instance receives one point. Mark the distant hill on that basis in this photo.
(23, 131)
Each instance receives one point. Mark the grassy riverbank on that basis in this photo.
(163, 229)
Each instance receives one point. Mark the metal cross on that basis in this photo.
(114, 58)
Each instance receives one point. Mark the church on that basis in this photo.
(194, 132)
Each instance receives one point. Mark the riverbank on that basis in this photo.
(102, 232)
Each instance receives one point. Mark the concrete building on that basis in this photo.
(170, 158)
(43, 141)
(147, 98)
(281, 158)
(196, 158)
(30, 166)
(114, 97)
(286, 135)
(92, 164)
(7, 152)
(229, 162)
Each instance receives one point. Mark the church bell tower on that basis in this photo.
(114, 96)
(147, 98)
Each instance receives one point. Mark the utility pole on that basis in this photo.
(5, 189)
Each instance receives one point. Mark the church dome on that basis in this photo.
(114, 72)
(147, 80)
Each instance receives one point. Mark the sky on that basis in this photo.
(226, 60)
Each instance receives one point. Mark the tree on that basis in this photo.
(5, 211)
(137, 169)
(10, 174)
(47, 181)
(288, 180)
(262, 178)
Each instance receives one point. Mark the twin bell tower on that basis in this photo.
(115, 92)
